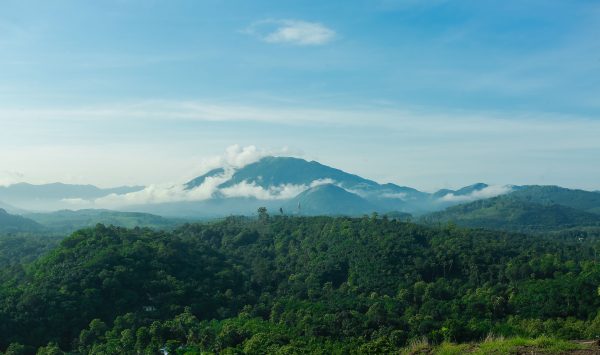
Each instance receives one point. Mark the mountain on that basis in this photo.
(274, 171)
(16, 224)
(329, 199)
(510, 212)
(69, 221)
(56, 195)
(281, 182)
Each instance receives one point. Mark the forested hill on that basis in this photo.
(511, 212)
(297, 285)
(16, 224)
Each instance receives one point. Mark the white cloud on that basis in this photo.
(430, 140)
(292, 32)
(76, 201)
(299, 114)
(397, 195)
(487, 192)
(236, 157)
(210, 188)
(280, 192)
(166, 193)
(11, 177)
(320, 182)
(246, 189)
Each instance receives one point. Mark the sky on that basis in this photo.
(424, 93)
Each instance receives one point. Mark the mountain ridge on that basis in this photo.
(278, 182)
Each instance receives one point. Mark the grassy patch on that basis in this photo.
(417, 346)
(453, 349)
(497, 346)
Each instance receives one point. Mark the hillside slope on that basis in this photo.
(17, 224)
(555, 195)
(511, 213)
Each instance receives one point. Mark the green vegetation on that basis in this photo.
(501, 346)
(555, 195)
(509, 212)
(292, 285)
(23, 248)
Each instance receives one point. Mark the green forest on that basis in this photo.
(292, 285)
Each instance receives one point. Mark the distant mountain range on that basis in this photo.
(47, 197)
(298, 187)
(273, 178)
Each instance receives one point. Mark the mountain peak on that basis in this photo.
(277, 171)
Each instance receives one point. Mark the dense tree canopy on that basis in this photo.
(282, 284)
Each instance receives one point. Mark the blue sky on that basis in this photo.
(428, 94)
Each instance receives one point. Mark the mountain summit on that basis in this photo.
(285, 182)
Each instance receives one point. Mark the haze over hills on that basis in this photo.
(55, 196)
(67, 221)
(279, 183)
(9, 208)
(61, 223)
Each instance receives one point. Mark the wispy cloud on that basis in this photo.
(487, 192)
(294, 32)
(460, 145)
(387, 117)
(209, 189)
(10, 177)
(237, 156)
